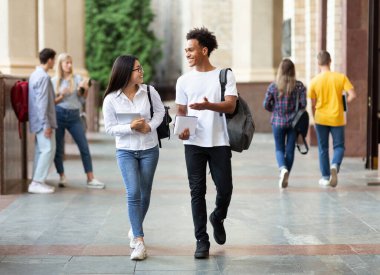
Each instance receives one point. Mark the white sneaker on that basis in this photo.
(62, 181)
(139, 253)
(40, 188)
(334, 176)
(284, 176)
(94, 183)
(132, 240)
(323, 182)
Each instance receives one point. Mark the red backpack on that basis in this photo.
(19, 100)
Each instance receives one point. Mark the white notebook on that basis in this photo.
(126, 118)
(183, 122)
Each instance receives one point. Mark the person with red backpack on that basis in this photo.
(42, 121)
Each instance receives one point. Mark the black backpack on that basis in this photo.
(163, 131)
(240, 124)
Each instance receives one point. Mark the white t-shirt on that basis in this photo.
(192, 87)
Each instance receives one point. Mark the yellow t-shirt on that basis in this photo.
(327, 89)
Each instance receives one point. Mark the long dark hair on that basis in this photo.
(120, 74)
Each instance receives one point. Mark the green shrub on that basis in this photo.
(117, 27)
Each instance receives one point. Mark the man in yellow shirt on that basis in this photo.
(326, 91)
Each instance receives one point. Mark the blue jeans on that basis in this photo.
(44, 150)
(323, 133)
(137, 169)
(285, 143)
(70, 120)
(219, 162)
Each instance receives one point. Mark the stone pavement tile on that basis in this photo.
(304, 229)
(177, 263)
(100, 265)
(38, 265)
(31, 269)
(283, 265)
(370, 263)
(203, 272)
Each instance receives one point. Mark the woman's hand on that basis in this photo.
(64, 91)
(84, 84)
(140, 125)
(145, 129)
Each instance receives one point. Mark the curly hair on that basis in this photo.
(205, 38)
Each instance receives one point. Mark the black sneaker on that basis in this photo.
(202, 251)
(219, 232)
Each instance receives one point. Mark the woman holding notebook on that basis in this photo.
(136, 142)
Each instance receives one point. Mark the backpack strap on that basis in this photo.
(223, 83)
(151, 108)
(150, 101)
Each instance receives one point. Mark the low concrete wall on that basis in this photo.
(13, 150)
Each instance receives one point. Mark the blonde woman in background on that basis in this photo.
(280, 99)
(71, 92)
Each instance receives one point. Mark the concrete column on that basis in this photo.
(18, 36)
(217, 17)
(75, 34)
(27, 26)
(61, 27)
(256, 39)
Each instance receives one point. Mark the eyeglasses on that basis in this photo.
(139, 69)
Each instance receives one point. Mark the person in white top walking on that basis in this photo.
(137, 150)
(198, 93)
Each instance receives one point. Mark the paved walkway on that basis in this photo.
(304, 229)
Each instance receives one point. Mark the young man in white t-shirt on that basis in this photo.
(198, 93)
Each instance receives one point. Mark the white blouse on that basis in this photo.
(125, 137)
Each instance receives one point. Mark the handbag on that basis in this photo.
(300, 124)
(163, 130)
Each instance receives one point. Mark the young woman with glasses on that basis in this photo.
(136, 141)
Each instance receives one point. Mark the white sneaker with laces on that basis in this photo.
(94, 183)
(324, 182)
(40, 188)
(132, 240)
(284, 176)
(139, 253)
(334, 176)
(62, 181)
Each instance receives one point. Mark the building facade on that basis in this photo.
(251, 41)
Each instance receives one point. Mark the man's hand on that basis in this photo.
(185, 134)
(200, 106)
(48, 132)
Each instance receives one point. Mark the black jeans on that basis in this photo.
(219, 161)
